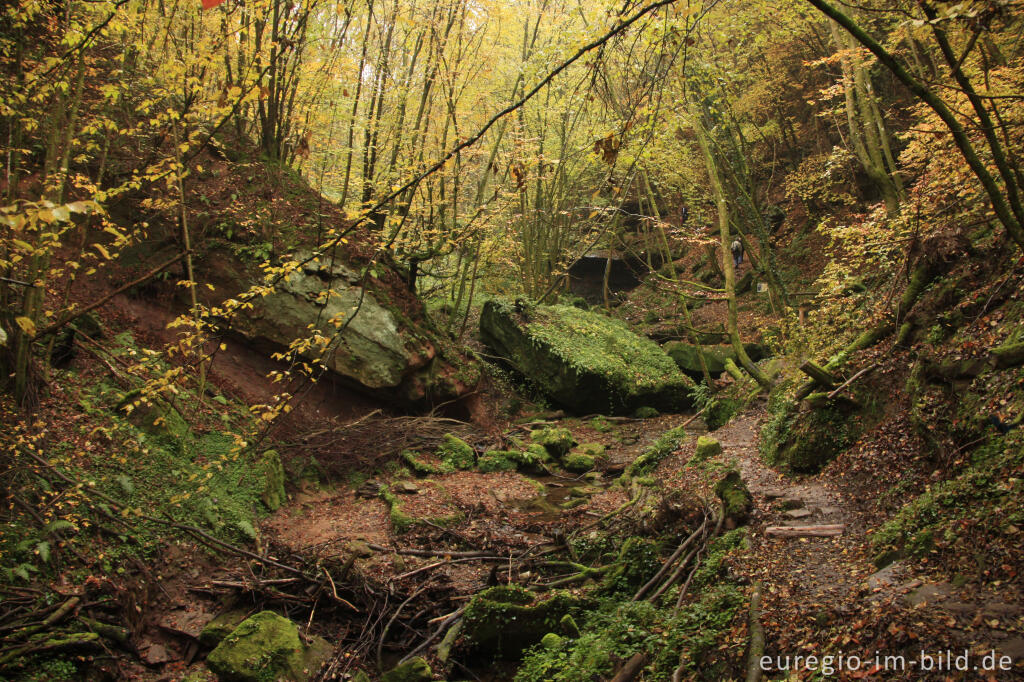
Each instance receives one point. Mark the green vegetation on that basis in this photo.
(456, 453)
(666, 444)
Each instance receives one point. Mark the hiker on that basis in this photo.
(737, 252)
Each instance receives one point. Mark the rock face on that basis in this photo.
(366, 338)
(687, 359)
(267, 647)
(585, 361)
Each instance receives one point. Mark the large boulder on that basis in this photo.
(267, 647)
(372, 331)
(585, 361)
(687, 358)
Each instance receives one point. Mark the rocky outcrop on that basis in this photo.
(585, 361)
(363, 330)
(688, 360)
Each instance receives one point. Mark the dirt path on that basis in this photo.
(825, 593)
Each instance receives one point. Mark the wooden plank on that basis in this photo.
(805, 531)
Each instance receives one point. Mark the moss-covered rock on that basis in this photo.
(413, 670)
(735, 497)
(719, 412)
(569, 626)
(530, 461)
(506, 620)
(557, 441)
(269, 465)
(595, 450)
(382, 349)
(578, 463)
(645, 412)
(585, 361)
(266, 648)
(813, 437)
(456, 453)
(707, 447)
(687, 358)
(421, 467)
(220, 627)
(552, 640)
(496, 460)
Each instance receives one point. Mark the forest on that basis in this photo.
(537, 340)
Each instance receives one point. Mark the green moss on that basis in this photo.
(595, 450)
(269, 466)
(266, 648)
(585, 360)
(735, 497)
(422, 468)
(413, 670)
(532, 460)
(646, 412)
(551, 640)
(707, 447)
(557, 441)
(665, 445)
(636, 564)
(220, 627)
(505, 620)
(496, 460)
(719, 412)
(456, 453)
(577, 462)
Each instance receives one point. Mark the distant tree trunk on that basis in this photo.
(714, 177)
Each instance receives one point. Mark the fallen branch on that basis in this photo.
(757, 639)
(804, 531)
(852, 379)
(634, 666)
(670, 561)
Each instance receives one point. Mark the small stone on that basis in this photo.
(787, 503)
(774, 493)
(406, 488)
(798, 513)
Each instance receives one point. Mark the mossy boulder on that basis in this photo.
(496, 460)
(457, 453)
(556, 441)
(707, 447)
(645, 412)
(735, 497)
(719, 412)
(387, 348)
(687, 358)
(220, 627)
(266, 647)
(413, 670)
(504, 621)
(578, 462)
(530, 461)
(585, 361)
(269, 465)
(813, 437)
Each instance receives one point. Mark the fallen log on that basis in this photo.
(820, 375)
(852, 379)
(804, 531)
(634, 666)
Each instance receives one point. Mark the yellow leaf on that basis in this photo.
(27, 325)
(102, 249)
